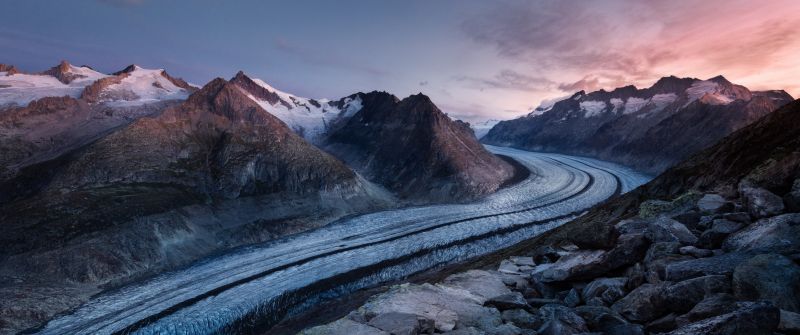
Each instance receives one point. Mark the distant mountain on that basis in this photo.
(413, 148)
(649, 129)
(482, 128)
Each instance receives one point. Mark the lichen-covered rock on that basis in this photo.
(769, 277)
(778, 234)
(759, 202)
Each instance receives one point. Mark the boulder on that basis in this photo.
(398, 323)
(643, 304)
(662, 324)
(695, 251)
(713, 203)
(760, 203)
(660, 250)
(635, 275)
(711, 306)
(790, 323)
(343, 327)
(560, 320)
(778, 234)
(522, 261)
(508, 267)
(690, 219)
(573, 298)
(664, 229)
(769, 277)
(507, 301)
(749, 318)
(606, 321)
(740, 217)
(720, 229)
(521, 318)
(683, 296)
(792, 199)
(481, 283)
(597, 287)
(717, 265)
(539, 302)
(586, 264)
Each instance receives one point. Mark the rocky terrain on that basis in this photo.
(213, 172)
(679, 116)
(709, 247)
(414, 149)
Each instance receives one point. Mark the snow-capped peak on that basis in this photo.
(310, 118)
(62, 80)
(137, 85)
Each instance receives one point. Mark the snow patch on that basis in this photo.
(617, 103)
(20, 89)
(143, 86)
(309, 118)
(483, 127)
(592, 108)
(634, 104)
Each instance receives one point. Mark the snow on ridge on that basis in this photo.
(546, 105)
(20, 89)
(700, 88)
(311, 120)
(592, 108)
(617, 103)
(634, 104)
(142, 86)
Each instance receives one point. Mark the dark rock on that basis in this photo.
(635, 275)
(344, 327)
(769, 277)
(779, 234)
(539, 302)
(656, 270)
(792, 199)
(521, 318)
(713, 305)
(605, 320)
(662, 324)
(790, 323)
(740, 217)
(643, 304)
(397, 323)
(660, 250)
(504, 302)
(689, 219)
(713, 203)
(716, 265)
(597, 287)
(695, 251)
(720, 229)
(586, 264)
(664, 229)
(760, 203)
(573, 298)
(749, 318)
(682, 296)
(560, 320)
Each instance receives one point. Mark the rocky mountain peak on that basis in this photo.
(64, 72)
(8, 69)
(257, 90)
(671, 84)
(128, 69)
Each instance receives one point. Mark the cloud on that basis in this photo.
(508, 80)
(632, 42)
(328, 59)
(585, 84)
(423, 83)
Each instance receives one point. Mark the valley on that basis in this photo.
(254, 286)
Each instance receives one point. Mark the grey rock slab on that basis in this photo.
(790, 322)
(596, 287)
(397, 323)
(711, 306)
(664, 229)
(481, 283)
(769, 277)
(711, 203)
(344, 327)
(717, 265)
(761, 203)
(695, 251)
(779, 234)
(522, 318)
(507, 301)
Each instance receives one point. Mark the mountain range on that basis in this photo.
(648, 129)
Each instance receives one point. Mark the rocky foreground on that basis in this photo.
(699, 264)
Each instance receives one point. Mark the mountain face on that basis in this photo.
(413, 148)
(648, 129)
(312, 119)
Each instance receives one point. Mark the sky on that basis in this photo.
(477, 60)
